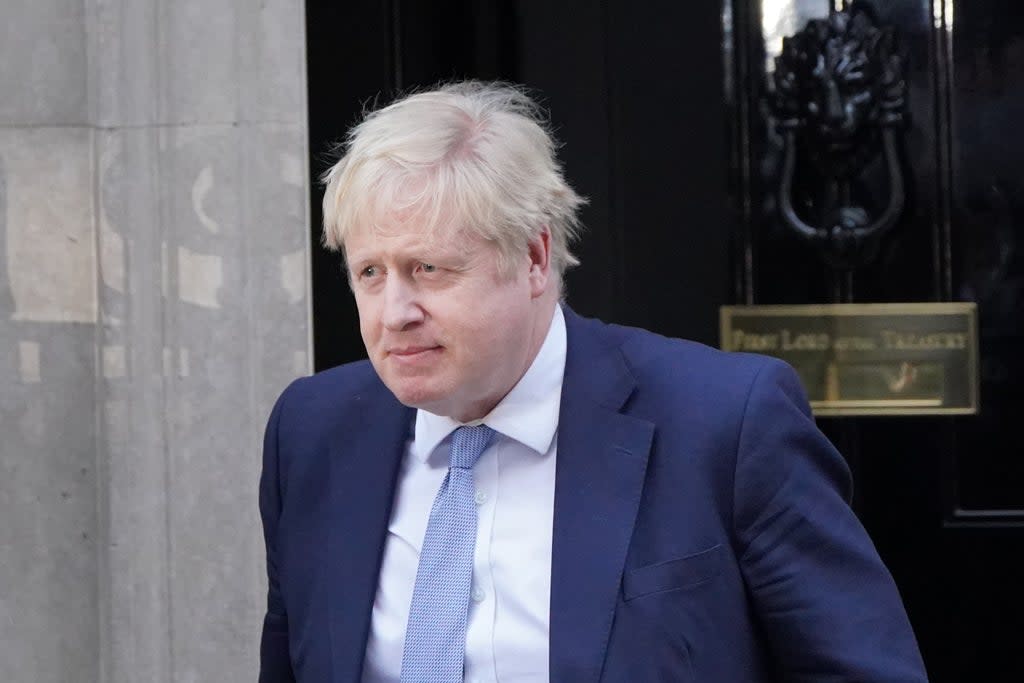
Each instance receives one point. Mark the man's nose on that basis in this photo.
(401, 305)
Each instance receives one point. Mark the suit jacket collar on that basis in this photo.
(602, 462)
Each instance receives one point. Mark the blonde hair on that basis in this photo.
(471, 156)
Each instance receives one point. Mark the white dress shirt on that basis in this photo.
(507, 632)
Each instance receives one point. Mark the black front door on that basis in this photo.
(943, 497)
(669, 129)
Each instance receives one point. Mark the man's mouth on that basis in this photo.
(411, 354)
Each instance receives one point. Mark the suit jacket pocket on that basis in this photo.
(673, 574)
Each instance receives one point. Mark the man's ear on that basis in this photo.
(539, 252)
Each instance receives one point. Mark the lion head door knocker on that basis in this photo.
(839, 99)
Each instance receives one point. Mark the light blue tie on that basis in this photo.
(435, 638)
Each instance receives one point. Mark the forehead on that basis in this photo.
(408, 238)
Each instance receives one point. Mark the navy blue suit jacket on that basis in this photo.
(701, 524)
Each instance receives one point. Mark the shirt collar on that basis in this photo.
(528, 413)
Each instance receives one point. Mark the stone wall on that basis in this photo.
(154, 299)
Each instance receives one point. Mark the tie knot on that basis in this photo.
(467, 445)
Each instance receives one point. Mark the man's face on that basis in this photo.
(446, 329)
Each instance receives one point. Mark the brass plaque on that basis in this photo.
(869, 359)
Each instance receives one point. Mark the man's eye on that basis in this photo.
(428, 267)
(368, 271)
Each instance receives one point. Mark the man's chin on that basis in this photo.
(421, 397)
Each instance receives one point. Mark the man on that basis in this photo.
(509, 492)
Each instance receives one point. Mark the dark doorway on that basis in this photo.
(663, 118)
(943, 497)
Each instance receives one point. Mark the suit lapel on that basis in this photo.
(602, 460)
(365, 459)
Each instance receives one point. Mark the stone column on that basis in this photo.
(153, 301)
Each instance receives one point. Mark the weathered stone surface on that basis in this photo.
(48, 538)
(49, 238)
(43, 52)
(154, 277)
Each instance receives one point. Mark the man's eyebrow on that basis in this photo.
(357, 257)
